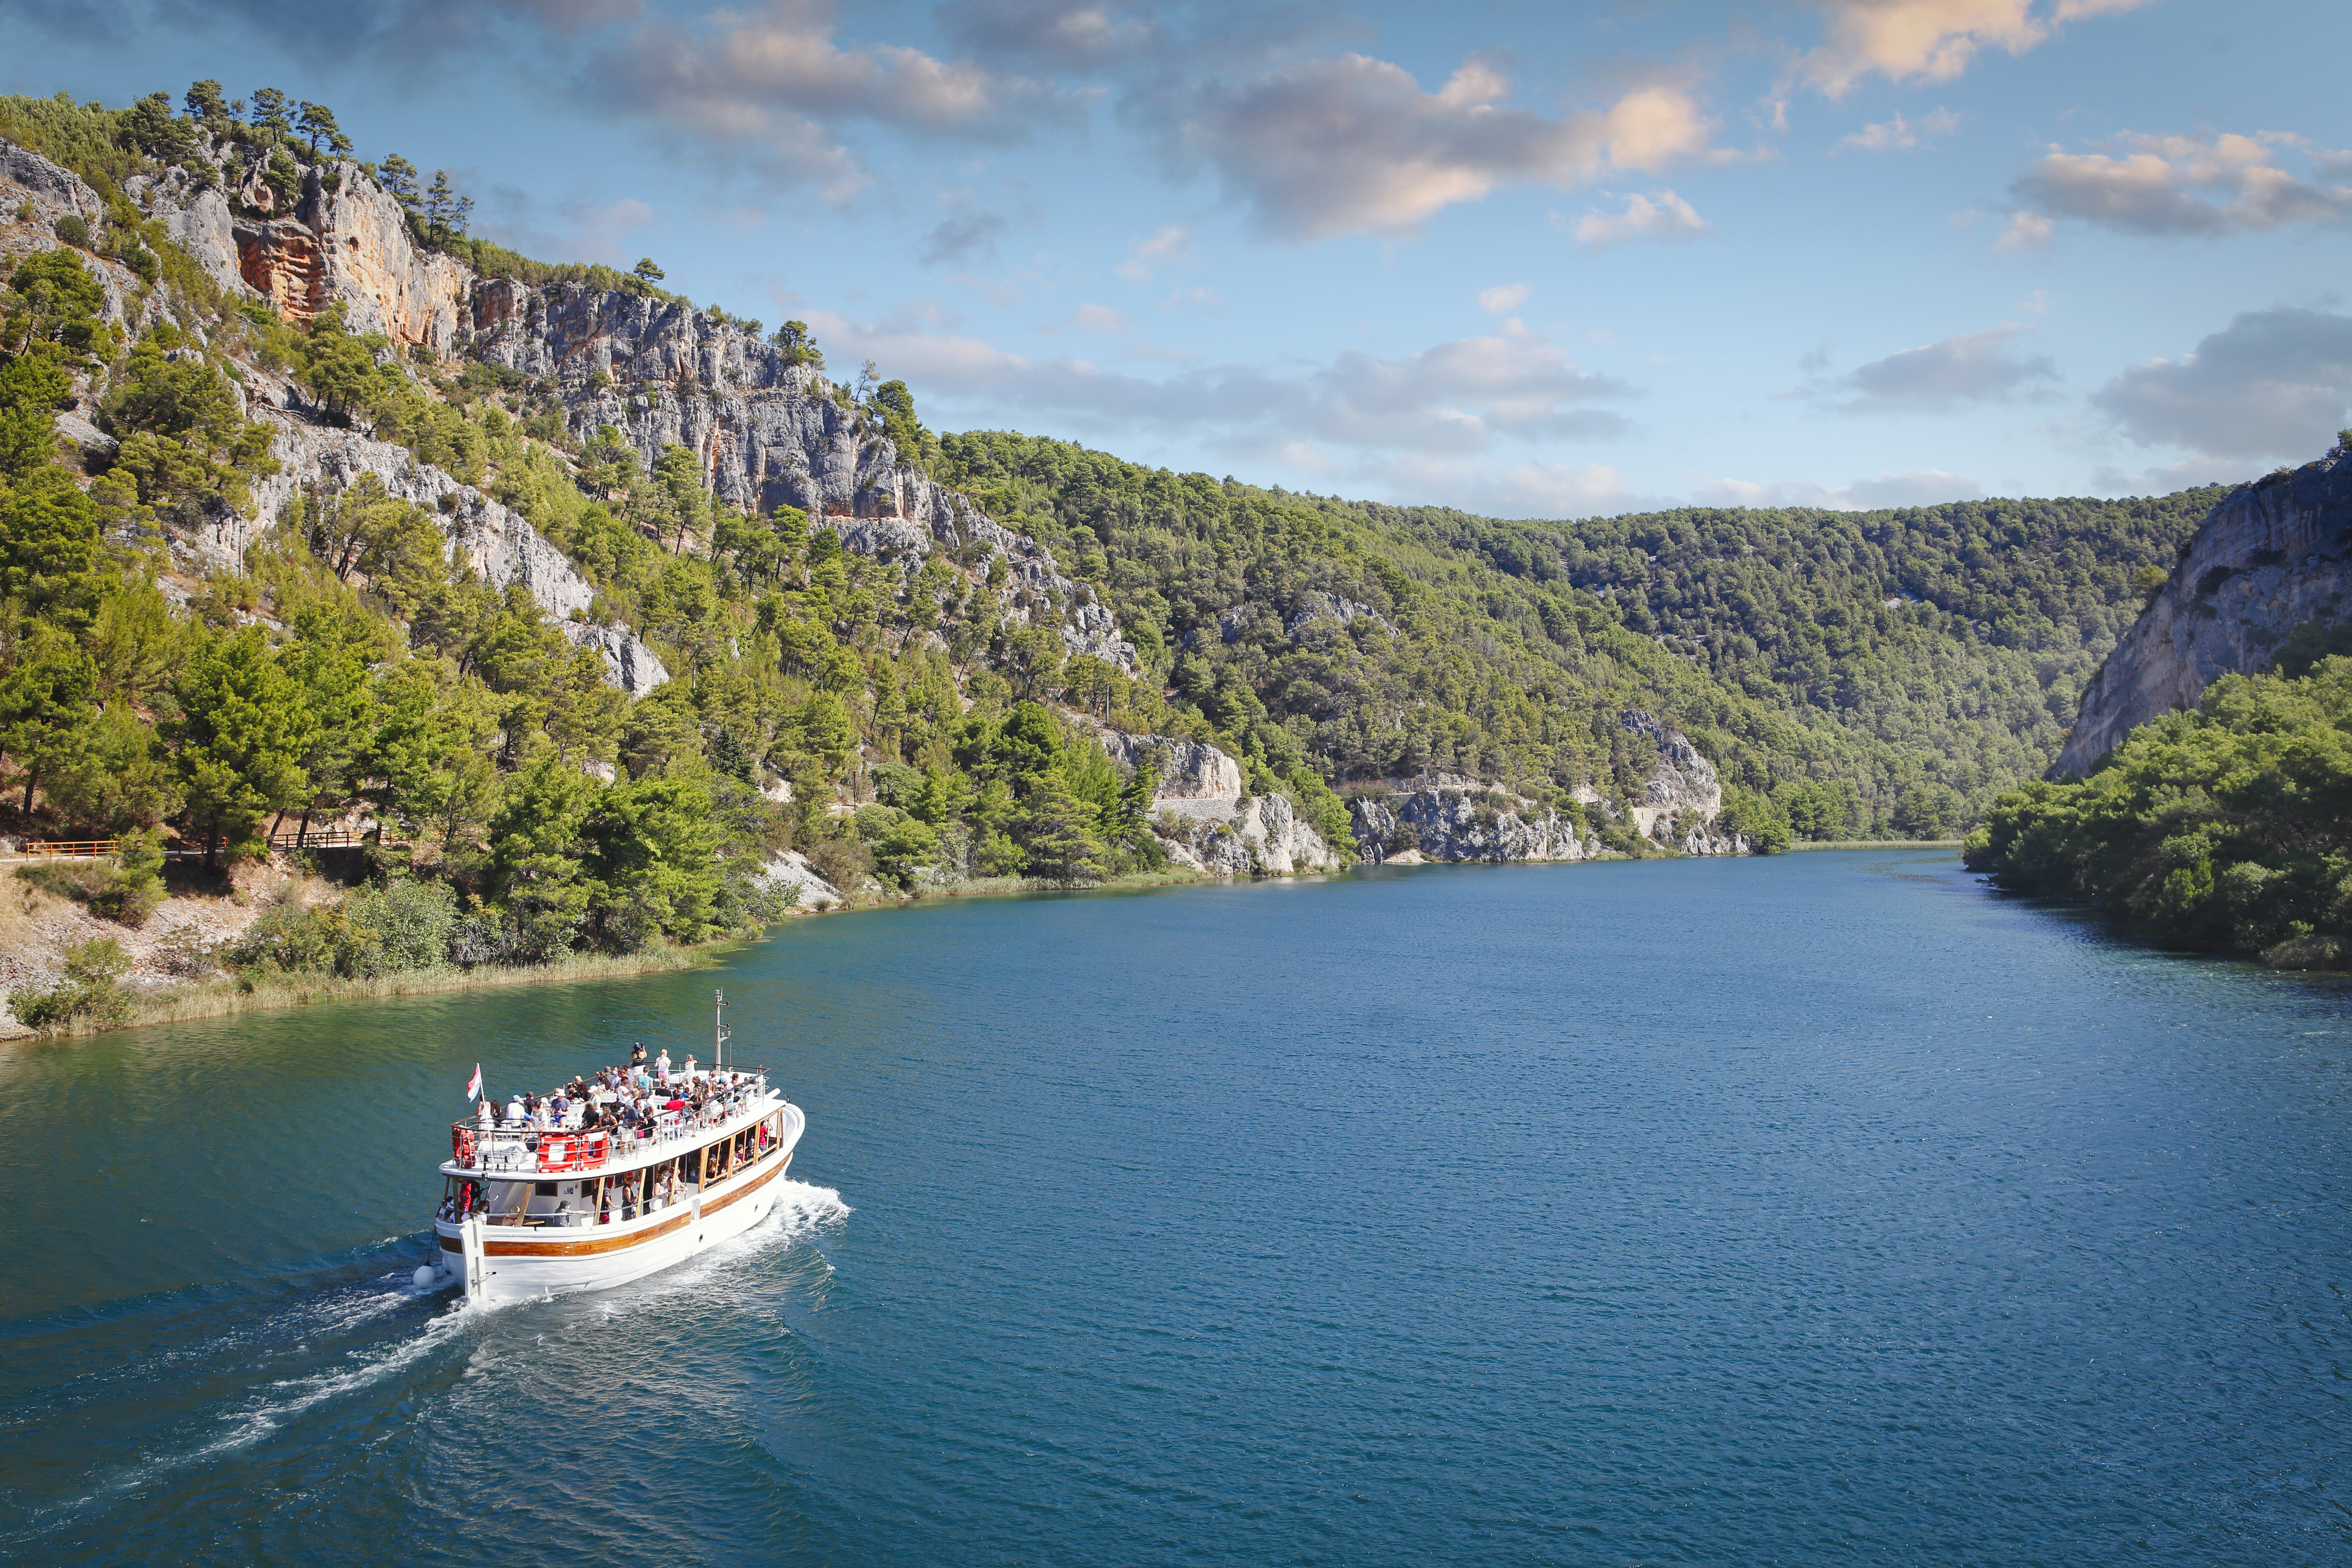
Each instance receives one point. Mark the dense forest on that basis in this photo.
(1859, 674)
(1851, 674)
(2224, 830)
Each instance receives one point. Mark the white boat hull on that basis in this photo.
(496, 1263)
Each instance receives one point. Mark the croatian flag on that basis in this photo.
(474, 1086)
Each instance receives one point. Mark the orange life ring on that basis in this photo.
(463, 1139)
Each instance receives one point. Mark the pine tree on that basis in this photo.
(317, 121)
(1058, 833)
(204, 101)
(397, 175)
(1135, 800)
(44, 703)
(242, 733)
(270, 108)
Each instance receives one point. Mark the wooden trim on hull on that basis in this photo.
(593, 1245)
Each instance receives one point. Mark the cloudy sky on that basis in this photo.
(1533, 260)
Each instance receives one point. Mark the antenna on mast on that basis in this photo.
(718, 1046)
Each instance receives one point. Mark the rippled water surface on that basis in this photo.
(1819, 1210)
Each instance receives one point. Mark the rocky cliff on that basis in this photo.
(766, 432)
(2272, 555)
(368, 260)
(1462, 822)
(1462, 819)
(1207, 819)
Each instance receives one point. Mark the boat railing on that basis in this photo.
(551, 1150)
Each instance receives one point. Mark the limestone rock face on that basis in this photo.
(663, 373)
(27, 179)
(1462, 823)
(2274, 554)
(1683, 786)
(500, 545)
(198, 220)
(794, 869)
(58, 190)
(1260, 837)
(1203, 821)
(1189, 770)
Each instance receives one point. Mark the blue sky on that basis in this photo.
(1530, 260)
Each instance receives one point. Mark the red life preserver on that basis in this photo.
(463, 1138)
(554, 1152)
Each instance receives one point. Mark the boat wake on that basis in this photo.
(381, 1340)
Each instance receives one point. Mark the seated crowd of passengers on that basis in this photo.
(632, 1101)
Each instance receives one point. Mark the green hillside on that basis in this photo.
(1876, 672)
(2227, 829)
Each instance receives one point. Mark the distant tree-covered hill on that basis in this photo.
(1881, 672)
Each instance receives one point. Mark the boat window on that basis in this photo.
(508, 1200)
(546, 1189)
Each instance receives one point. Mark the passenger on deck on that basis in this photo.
(516, 1114)
(637, 1056)
(488, 1117)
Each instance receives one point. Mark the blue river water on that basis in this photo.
(1825, 1210)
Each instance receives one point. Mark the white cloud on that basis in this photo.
(1926, 487)
(1454, 399)
(2166, 477)
(1534, 489)
(1353, 145)
(1667, 216)
(1971, 368)
(2026, 232)
(1072, 34)
(762, 82)
(1930, 40)
(2273, 384)
(1098, 318)
(576, 231)
(1900, 135)
(1172, 246)
(2184, 186)
(1502, 299)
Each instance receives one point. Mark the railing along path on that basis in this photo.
(106, 849)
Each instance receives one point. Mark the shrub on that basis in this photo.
(136, 887)
(73, 231)
(88, 992)
(840, 861)
(403, 926)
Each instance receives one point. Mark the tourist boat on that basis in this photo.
(524, 1211)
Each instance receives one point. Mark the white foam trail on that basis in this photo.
(262, 1419)
(801, 1211)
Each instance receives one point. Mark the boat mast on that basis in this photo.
(719, 1030)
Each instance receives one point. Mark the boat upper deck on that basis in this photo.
(609, 1129)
